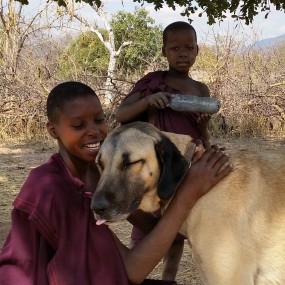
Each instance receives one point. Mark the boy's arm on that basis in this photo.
(140, 260)
(202, 126)
(131, 108)
(134, 105)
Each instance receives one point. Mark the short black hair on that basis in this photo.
(177, 26)
(64, 93)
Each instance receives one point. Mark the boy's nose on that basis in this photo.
(183, 53)
(92, 129)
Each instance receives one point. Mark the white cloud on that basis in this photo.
(261, 28)
(281, 30)
(264, 28)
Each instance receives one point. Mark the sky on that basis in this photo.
(261, 28)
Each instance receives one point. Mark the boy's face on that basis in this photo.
(180, 49)
(81, 128)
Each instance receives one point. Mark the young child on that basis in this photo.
(54, 238)
(149, 101)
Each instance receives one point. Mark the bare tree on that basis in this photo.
(248, 80)
(29, 56)
(72, 9)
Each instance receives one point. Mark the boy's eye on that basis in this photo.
(100, 120)
(78, 126)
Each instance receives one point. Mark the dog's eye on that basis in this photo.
(133, 163)
(128, 165)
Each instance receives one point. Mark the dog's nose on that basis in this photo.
(99, 204)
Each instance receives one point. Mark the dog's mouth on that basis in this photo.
(100, 220)
(115, 214)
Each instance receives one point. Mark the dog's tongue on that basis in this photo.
(100, 222)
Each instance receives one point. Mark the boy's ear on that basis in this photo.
(51, 130)
(163, 51)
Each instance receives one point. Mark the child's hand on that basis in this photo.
(203, 118)
(216, 147)
(159, 100)
(208, 170)
(199, 150)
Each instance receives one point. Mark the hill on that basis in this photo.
(269, 42)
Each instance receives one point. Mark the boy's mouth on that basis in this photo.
(93, 146)
(183, 63)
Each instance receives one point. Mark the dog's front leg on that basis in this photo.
(172, 259)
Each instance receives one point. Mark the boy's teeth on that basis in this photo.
(93, 145)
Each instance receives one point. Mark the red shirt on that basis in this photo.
(54, 239)
(166, 119)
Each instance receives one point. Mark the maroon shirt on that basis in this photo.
(167, 119)
(54, 239)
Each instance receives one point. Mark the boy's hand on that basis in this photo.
(203, 118)
(208, 170)
(216, 147)
(159, 100)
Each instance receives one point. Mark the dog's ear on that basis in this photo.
(172, 167)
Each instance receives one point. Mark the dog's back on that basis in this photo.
(237, 230)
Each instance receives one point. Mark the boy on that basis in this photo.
(149, 101)
(54, 238)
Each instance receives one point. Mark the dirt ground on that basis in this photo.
(16, 160)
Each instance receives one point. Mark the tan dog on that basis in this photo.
(237, 230)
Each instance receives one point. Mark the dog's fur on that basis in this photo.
(237, 230)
